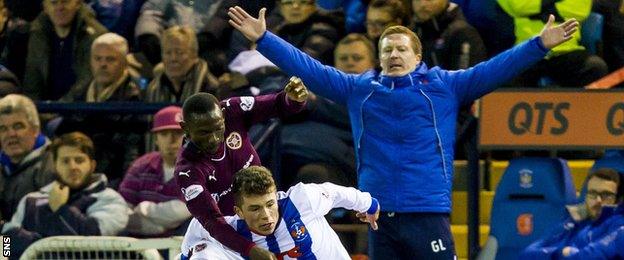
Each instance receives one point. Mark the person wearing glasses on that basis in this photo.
(588, 223)
(382, 14)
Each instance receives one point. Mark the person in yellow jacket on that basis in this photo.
(568, 64)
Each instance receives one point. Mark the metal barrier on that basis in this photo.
(102, 247)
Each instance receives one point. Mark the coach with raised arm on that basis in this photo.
(403, 122)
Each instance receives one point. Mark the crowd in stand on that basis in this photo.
(102, 175)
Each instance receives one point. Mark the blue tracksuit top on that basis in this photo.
(592, 239)
(404, 127)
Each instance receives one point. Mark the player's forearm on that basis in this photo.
(350, 198)
(205, 209)
(168, 214)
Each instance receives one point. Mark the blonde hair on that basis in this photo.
(183, 33)
(16, 103)
(114, 40)
(399, 29)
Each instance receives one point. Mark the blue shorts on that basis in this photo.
(411, 236)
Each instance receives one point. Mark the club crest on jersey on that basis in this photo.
(247, 103)
(298, 231)
(234, 141)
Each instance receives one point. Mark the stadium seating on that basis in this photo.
(578, 169)
(529, 199)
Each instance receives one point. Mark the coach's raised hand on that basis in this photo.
(251, 27)
(552, 35)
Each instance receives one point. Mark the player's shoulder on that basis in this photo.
(185, 168)
(300, 194)
(238, 104)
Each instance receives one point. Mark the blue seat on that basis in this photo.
(529, 200)
(591, 32)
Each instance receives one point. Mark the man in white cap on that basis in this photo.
(149, 186)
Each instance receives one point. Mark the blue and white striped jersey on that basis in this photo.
(302, 231)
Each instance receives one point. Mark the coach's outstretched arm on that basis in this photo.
(323, 80)
(486, 76)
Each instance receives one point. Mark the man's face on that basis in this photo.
(296, 11)
(600, 193)
(178, 58)
(378, 19)
(107, 64)
(61, 12)
(205, 130)
(427, 9)
(17, 135)
(260, 212)
(353, 58)
(397, 56)
(168, 142)
(73, 166)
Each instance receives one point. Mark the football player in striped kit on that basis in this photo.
(290, 224)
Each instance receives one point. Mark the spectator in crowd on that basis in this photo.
(60, 40)
(569, 64)
(182, 73)
(333, 159)
(251, 74)
(78, 203)
(112, 80)
(119, 137)
(119, 16)
(216, 146)
(149, 186)
(159, 15)
(382, 14)
(306, 28)
(449, 41)
(612, 35)
(9, 84)
(354, 10)
(24, 9)
(587, 223)
(13, 41)
(261, 210)
(403, 123)
(26, 164)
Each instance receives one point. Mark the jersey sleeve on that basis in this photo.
(205, 209)
(252, 110)
(321, 198)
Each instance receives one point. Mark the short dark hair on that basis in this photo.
(74, 139)
(198, 103)
(608, 174)
(395, 8)
(253, 180)
(605, 174)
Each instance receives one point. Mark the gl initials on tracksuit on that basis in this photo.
(437, 246)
